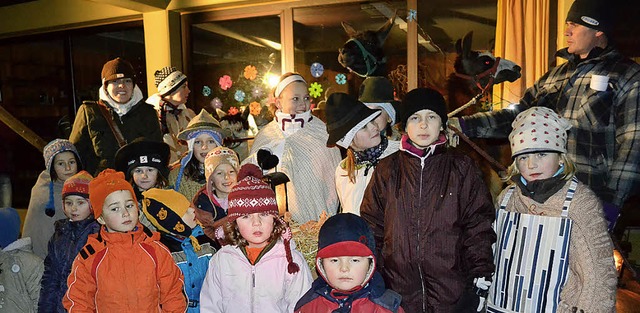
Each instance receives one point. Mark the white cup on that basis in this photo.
(599, 82)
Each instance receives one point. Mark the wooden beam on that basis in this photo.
(412, 47)
(286, 37)
(21, 129)
(142, 6)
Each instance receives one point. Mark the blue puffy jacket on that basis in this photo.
(67, 240)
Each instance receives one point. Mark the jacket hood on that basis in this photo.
(23, 244)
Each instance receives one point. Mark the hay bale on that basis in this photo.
(306, 237)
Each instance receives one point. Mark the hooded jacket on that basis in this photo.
(431, 216)
(66, 242)
(125, 272)
(208, 211)
(20, 273)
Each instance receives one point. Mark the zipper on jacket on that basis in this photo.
(253, 278)
(424, 303)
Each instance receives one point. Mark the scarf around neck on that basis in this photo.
(121, 108)
(370, 157)
(540, 190)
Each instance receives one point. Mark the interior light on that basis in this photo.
(271, 80)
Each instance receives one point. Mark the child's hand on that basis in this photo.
(481, 285)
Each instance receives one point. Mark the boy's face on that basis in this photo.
(346, 272)
(119, 212)
(223, 178)
(256, 228)
(145, 177)
(76, 208)
(180, 96)
(423, 128)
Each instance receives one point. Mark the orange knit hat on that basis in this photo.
(103, 185)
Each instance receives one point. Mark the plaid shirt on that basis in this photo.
(603, 140)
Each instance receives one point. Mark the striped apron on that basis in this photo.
(531, 258)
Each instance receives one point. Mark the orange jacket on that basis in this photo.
(125, 272)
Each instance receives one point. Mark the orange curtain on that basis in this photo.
(522, 36)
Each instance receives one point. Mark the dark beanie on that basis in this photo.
(116, 69)
(345, 234)
(421, 99)
(595, 14)
(343, 113)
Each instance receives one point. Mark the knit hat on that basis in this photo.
(252, 195)
(58, 146)
(77, 185)
(345, 234)
(103, 185)
(168, 80)
(9, 226)
(595, 14)
(376, 92)
(345, 117)
(116, 69)
(141, 152)
(421, 99)
(538, 129)
(215, 157)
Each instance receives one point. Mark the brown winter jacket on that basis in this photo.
(94, 139)
(431, 217)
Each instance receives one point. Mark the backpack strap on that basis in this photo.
(114, 128)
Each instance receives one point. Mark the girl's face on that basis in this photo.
(423, 128)
(294, 99)
(223, 178)
(367, 137)
(189, 218)
(76, 208)
(65, 165)
(538, 165)
(180, 96)
(202, 145)
(145, 177)
(382, 120)
(120, 90)
(346, 272)
(119, 212)
(256, 228)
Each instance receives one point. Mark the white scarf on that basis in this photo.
(291, 123)
(121, 108)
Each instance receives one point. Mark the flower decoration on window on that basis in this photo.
(206, 91)
(239, 95)
(225, 82)
(255, 108)
(216, 103)
(233, 111)
(317, 69)
(341, 79)
(257, 92)
(250, 72)
(412, 15)
(315, 90)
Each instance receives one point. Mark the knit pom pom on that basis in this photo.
(293, 268)
(249, 170)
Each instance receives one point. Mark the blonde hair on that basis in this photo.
(272, 106)
(233, 236)
(567, 174)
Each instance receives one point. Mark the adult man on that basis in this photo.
(603, 140)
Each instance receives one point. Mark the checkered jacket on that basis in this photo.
(604, 138)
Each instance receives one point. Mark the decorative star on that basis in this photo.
(315, 90)
(412, 15)
(206, 91)
(317, 69)
(341, 79)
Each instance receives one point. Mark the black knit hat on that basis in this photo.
(595, 14)
(342, 114)
(116, 69)
(421, 99)
(345, 234)
(141, 152)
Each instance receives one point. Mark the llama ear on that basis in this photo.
(351, 32)
(466, 43)
(384, 30)
(459, 47)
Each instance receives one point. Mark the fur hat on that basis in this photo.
(422, 99)
(538, 129)
(55, 147)
(595, 14)
(141, 152)
(77, 185)
(168, 80)
(9, 226)
(103, 185)
(203, 122)
(215, 157)
(116, 69)
(376, 92)
(345, 117)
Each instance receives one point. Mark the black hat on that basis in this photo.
(345, 234)
(141, 152)
(379, 90)
(343, 113)
(595, 14)
(421, 99)
(116, 69)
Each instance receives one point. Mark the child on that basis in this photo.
(62, 161)
(352, 125)
(547, 204)
(376, 92)
(145, 165)
(20, 269)
(346, 266)
(123, 268)
(261, 271)
(170, 103)
(432, 214)
(211, 202)
(202, 134)
(70, 236)
(171, 213)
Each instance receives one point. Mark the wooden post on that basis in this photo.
(412, 48)
(21, 129)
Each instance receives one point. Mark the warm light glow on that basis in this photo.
(271, 80)
(618, 259)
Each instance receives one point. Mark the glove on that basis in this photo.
(454, 140)
(481, 285)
